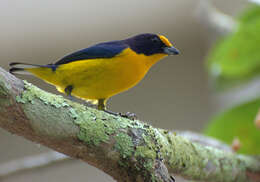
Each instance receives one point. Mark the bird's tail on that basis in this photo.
(21, 68)
(25, 68)
(44, 72)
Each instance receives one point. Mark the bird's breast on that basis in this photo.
(128, 69)
(103, 78)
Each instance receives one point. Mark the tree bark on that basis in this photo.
(128, 150)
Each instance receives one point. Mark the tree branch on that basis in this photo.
(204, 140)
(125, 149)
(214, 19)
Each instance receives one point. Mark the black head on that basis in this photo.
(150, 44)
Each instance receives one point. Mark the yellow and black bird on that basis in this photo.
(103, 70)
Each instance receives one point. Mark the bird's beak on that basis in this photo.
(171, 51)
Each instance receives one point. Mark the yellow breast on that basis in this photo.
(101, 78)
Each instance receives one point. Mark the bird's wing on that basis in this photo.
(102, 50)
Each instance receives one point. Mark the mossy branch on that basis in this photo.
(125, 149)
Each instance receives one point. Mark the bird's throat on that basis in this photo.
(153, 59)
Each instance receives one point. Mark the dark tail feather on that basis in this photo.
(25, 65)
(20, 68)
(18, 71)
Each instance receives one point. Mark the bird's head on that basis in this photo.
(151, 44)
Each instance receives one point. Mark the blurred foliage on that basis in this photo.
(236, 57)
(233, 59)
(238, 123)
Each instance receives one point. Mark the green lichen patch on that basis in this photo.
(93, 132)
(145, 152)
(124, 123)
(31, 93)
(162, 142)
(148, 164)
(94, 128)
(19, 99)
(124, 145)
(97, 126)
(148, 141)
(73, 113)
(112, 126)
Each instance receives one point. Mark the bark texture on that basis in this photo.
(128, 150)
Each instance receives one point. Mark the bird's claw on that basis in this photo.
(129, 115)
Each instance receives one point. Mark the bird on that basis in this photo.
(102, 70)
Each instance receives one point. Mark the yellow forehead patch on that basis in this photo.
(165, 41)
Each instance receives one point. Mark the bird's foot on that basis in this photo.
(127, 115)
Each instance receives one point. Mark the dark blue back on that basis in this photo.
(102, 50)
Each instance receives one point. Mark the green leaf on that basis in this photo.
(237, 56)
(238, 123)
(251, 14)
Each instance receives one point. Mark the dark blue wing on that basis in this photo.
(102, 50)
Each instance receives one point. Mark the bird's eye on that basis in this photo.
(155, 39)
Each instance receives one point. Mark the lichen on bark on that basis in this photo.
(127, 150)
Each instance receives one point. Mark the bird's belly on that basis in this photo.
(103, 79)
